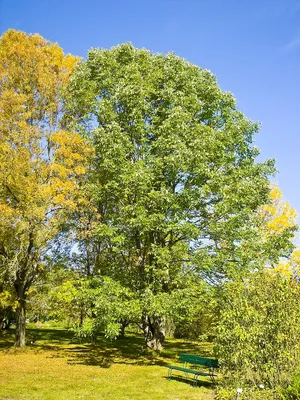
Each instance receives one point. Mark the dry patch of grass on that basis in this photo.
(55, 368)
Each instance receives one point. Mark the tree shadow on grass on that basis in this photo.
(49, 335)
(6, 342)
(38, 339)
(90, 356)
(189, 381)
(131, 350)
(60, 343)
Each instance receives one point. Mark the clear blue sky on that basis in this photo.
(252, 46)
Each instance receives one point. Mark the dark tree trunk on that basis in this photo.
(2, 314)
(154, 332)
(6, 316)
(7, 324)
(5, 321)
(20, 317)
(124, 324)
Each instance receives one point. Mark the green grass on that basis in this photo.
(55, 368)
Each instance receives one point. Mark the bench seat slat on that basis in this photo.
(190, 371)
(205, 361)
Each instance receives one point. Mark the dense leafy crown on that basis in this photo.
(175, 178)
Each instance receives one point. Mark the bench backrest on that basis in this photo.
(191, 359)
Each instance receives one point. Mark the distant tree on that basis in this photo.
(276, 221)
(94, 306)
(40, 163)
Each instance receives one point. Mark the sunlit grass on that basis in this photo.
(55, 368)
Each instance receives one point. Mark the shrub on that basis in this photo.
(259, 332)
(293, 391)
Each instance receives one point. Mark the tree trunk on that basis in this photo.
(6, 317)
(7, 324)
(124, 324)
(20, 318)
(154, 332)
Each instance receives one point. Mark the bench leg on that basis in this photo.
(195, 383)
(211, 371)
(169, 373)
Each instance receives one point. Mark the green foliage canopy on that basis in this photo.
(174, 177)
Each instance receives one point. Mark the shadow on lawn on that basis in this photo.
(128, 350)
(33, 335)
(200, 383)
(6, 339)
(131, 350)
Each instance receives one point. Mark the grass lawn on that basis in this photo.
(56, 368)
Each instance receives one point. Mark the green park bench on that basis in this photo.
(189, 359)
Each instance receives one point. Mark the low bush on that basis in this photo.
(259, 335)
(293, 391)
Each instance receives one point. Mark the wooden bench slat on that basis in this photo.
(205, 361)
(190, 371)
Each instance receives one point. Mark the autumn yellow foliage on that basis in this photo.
(41, 163)
(278, 214)
(277, 217)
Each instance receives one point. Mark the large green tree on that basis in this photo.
(174, 178)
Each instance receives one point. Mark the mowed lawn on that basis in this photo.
(54, 367)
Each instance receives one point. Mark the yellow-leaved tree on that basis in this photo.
(41, 164)
(278, 225)
(278, 214)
